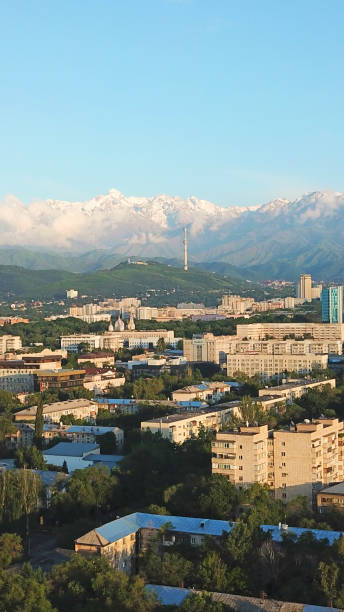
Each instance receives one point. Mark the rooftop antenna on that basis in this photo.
(185, 250)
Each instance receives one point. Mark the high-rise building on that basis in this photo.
(332, 305)
(305, 287)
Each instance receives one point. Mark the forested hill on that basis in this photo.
(164, 283)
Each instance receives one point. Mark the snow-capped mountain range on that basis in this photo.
(307, 232)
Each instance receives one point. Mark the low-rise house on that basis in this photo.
(120, 541)
(52, 413)
(100, 379)
(296, 388)
(75, 455)
(331, 497)
(98, 359)
(180, 427)
(89, 433)
(210, 391)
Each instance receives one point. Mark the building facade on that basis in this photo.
(266, 366)
(299, 460)
(332, 305)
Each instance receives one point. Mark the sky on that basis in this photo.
(237, 102)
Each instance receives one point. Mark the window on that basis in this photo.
(283, 454)
(283, 464)
(240, 456)
(240, 467)
(284, 495)
(282, 443)
(240, 446)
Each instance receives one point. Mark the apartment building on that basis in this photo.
(306, 458)
(296, 388)
(242, 456)
(207, 347)
(179, 427)
(16, 380)
(235, 304)
(304, 289)
(295, 461)
(317, 331)
(52, 413)
(71, 342)
(285, 347)
(123, 539)
(114, 340)
(10, 343)
(271, 365)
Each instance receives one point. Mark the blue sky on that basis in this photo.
(237, 102)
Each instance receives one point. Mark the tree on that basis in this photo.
(39, 424)
(107, 443)
(30, 457)
(26, 591)
(251, 411)
(92, 585)
(328, 575)
(197, 602)
(11, 548)
(212, 573)
(160, 346)
(65, 467)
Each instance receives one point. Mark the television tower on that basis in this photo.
(185, 250)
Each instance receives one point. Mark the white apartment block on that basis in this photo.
(279, 331)
(16, 380)
(270, 365)
(179, 427)
(10, 343)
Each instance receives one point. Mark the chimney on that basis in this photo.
(185, 250)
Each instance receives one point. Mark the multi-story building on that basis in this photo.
(296, 388)
(71, 294)
(295, 461)
(180, 427)
(114, 340)
(332, 305)
(267, 366)
(281, 331)
(235, 304)
(285, 347)
(58, 379)
(98, 359)
(10, 343)
(242, 456)
(207, 347)
(73, 341)
(52, 413)
(305, 287)
(316, 292)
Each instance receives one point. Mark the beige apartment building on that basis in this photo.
(284, 347)
(304, 289)
(295, 461)
(235, 304)
(317, 331)
(271, 365)
(10, 343)
(179, 427)
(242, 456)
(207, 347)
(296, 388)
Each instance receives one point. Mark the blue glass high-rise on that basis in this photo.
(332, 305)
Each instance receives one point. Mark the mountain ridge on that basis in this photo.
(307, 231)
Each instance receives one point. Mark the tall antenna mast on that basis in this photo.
(185, 250)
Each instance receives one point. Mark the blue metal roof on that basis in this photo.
(319, 534)
(115, 530)
(70, 449)
(92, 429)
(192, 404)
(167, 595)
(118, 529)
(202, 387)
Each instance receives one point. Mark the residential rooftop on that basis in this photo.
(71, 449)
(337, 489)
(56, 407)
